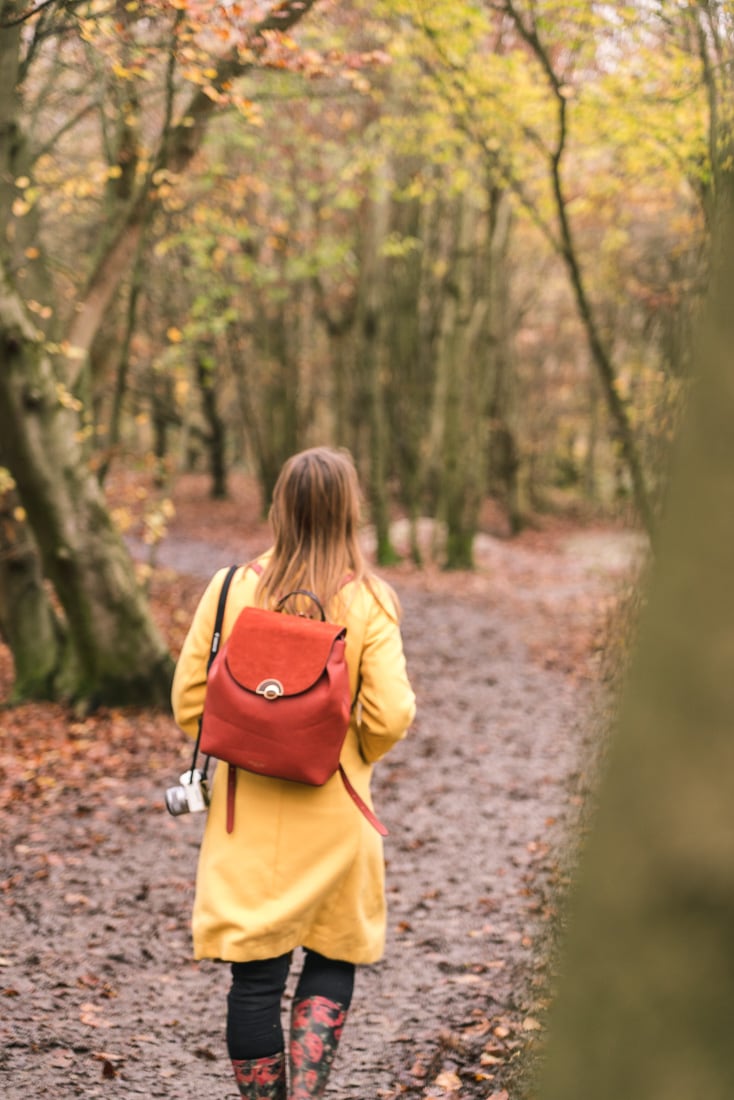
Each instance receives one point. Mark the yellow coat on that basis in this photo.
(302, 867)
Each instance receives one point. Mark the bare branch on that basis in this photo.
(26, 15)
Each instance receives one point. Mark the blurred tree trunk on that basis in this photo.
(504, 458)
(464, 376)
(645, 1003)
(114, 428)
(206, 380)
(267, 394)
(410, 376)
(371, 361)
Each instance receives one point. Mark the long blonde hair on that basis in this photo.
(314, 516)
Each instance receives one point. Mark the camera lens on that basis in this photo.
(176, 801)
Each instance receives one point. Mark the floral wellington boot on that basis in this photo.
(316, 1027)
(261, 1078)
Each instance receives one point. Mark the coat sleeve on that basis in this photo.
(189, 679)
(387, 702)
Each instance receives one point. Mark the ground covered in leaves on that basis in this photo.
(98, 993)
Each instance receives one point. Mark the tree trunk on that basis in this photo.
(644, 1005)
(27, 620)
(116, 652)
(113, 652)
(409, 376)
(370, 366)
(215, 436)
(464, 369)
(503, 454)
(114, 430)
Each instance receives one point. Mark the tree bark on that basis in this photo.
(117, 653)
(644, 1004)
(28, 623)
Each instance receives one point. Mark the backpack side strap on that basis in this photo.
(358, 801)
(362, 805)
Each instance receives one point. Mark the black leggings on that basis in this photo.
(254, 1028)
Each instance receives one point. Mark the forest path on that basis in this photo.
(102, 999)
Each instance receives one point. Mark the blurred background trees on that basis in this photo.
(465, 240)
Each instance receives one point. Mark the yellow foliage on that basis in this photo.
(67, 399)
(7, 481)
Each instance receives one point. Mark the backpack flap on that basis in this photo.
(267, 647)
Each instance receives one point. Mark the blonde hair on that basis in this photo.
(315, 516)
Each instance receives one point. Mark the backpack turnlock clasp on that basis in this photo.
(270, 689)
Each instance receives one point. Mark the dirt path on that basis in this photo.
(98, 996)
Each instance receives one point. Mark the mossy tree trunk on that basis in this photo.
(35, 637)
(113, 651)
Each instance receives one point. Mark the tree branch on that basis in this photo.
(26, 15)
(599, 351)
(178, 147)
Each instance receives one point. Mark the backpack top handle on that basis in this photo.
(302, 592)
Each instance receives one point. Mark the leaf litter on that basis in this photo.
(96, 880)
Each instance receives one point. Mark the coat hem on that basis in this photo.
(253, 952)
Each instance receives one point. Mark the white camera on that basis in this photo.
(190, 797)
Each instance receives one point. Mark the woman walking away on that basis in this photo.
(301, 867)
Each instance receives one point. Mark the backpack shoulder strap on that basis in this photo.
(213, 650)
(217, 633)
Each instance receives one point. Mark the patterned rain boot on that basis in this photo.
(261, 1078)
(316, 1028)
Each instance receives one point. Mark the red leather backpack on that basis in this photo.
(278, 700)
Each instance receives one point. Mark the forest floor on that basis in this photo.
(98, 993)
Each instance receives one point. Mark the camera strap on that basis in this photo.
(213, 650)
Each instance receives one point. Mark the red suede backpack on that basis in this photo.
(278, 700)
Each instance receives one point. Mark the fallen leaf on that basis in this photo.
(449, 1082)
(90, 1015)
(205, 1054)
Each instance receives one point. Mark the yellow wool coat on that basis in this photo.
(302, 867)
